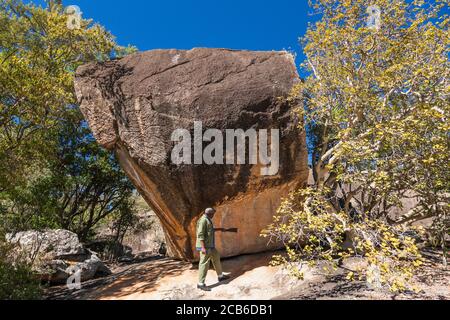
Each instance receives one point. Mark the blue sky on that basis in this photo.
(162, 24)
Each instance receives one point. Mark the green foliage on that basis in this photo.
(81, 186)
(17, 280)
(376, 103)
(52, 172)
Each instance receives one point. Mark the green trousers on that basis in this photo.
(212, 255)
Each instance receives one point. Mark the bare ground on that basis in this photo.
(157, 278)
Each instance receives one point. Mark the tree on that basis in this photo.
(376, 106)
(52, 172)
(38, 55)
(81, 186)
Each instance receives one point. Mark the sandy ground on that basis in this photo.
(251, 278)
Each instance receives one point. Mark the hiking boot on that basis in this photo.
(203, 287)
(224, 278)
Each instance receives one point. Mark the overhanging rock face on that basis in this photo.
(133, 105)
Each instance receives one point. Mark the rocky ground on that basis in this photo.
(156, 278)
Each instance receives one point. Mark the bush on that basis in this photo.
(312, 232)
(17, 280)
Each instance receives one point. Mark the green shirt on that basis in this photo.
(205, 232)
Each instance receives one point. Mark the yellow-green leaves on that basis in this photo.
(313, 233)
(376, 102)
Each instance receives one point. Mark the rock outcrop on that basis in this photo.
(56, 255)
(133, 105)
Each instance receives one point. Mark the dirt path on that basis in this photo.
(252, 278)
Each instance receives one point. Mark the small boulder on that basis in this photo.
(53, 244)
(57, 254)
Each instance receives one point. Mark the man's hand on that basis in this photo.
(203, 250)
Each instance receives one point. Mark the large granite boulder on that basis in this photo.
(134, 105)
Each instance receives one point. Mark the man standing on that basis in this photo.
(207, 247)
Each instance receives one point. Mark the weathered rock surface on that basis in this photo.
(54, 244)
(58, 254)
(134, 104)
